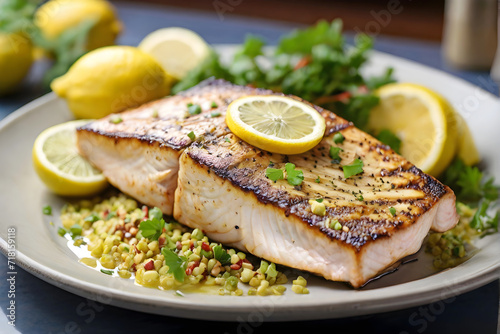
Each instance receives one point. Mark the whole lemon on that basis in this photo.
(57, 16)
(16, 57)
(111, 79)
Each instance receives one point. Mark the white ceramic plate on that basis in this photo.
(45, 254)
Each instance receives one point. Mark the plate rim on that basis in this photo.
(177, 307)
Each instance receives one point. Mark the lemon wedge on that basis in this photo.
(60, 166)
(276, 124)
(423, 120)
(467, 150)
(178, 50)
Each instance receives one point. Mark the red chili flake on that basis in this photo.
(191, 245)
(178, 245)
(246, 261)
(133, 267)
(150, 265)
(189, 270)
(205, 247)
(105, 213)
(145, 209)
(161, 241)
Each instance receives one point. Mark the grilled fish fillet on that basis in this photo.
(220, 187)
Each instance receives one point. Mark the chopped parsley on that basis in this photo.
(93, 217)
(338, 138)
(47, 210)
(221, 255)
(317, 180)
(194, 109)
(390, 139)
(214, 105)
(153, 227)
(75, 230)
(176, 264)
(61, 231)
(334, 154)
(319, 200)
(483, 222)
(191, 135)
(293, 176)
(353, 169)
(107, 272)
(392, 211)
(359, 197)
(115, 119)
(274, 174)
(215, 114)
(227, 140)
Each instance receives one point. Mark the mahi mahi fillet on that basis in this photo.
(217, 183)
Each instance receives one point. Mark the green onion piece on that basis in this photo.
(338, 138)
(214, 105)
(107, 272)
(319, 200)
(47, 210)
(317, 180)
(293, 176)
(353, 169)
(115, 119)
(336, 225)
(191, 135)
(215, 114)
(227, 140)
(334, 154)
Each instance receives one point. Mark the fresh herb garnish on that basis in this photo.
(334, 154)
(115, 119)
(353, 169)
(47, 210)
(75, 230)
(194, 109)
(359, 197)
(274, 174)
(153, 227)
(338, 138)
(191, 135)
(227, 140)
(317, 180)
(61, 231)
(293, 176)
(93, 217)
(483, 222)
(392, 211)
(215, 114)
(213, 105)
(319, 200)
(390, 139)
(221, 255)
(107, 272)
(176, 264)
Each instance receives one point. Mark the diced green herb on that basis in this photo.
(189, 104)
(191, 135)
(107, 272)
(319, 200)
(176, 264)
(115, 119)
(221, 255)
(76, 229)
(359, 197)
(194, 109)
(47, 210)
(392, 211)
(317, 180)
(155, 213)
(274, 174)
(62, 232)
(214, 105)
(93, 217)
(227, 140)
(338, 138)
(293, 176)
(215, 114)
(353, 169)
(484, 223)
(390, 139)
(334, 154)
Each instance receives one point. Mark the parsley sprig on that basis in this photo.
(221, 255)
(176, 264)
(153, 227)
(294, 176)
(355, 168)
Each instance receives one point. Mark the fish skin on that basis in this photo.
(219, 185)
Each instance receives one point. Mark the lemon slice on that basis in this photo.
(277, 124)
(178, 50)
(423, 120)
(60, 166)
(467, 150)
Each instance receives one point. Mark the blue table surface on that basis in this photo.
(43, 308)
